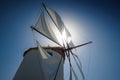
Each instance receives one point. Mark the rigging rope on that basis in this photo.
(78, 64)
(58, 68)
(71, 68)
(75, 56)
(89, 61)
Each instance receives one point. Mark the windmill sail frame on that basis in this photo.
(58, 23)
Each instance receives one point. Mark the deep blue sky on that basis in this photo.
(96, 20)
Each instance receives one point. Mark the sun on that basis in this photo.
(63, 37)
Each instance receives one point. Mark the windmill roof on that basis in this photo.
(57, 49)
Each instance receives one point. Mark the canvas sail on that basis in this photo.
(59, 24)
(42, 51)
(52, 64)
(43, 27)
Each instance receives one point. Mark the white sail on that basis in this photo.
(43, 27)
(52, 64)
(42, 51)
(58, 22)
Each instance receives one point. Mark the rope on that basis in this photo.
(78, 65)
(58, 68)
(71, 68)
(68, 56)
(89, 61)
(75, 56)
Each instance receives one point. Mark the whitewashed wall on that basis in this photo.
(33, 67)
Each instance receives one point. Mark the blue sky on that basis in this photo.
(96, 20)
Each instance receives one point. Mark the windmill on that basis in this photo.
(46, 63)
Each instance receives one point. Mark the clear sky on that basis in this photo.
(96, 20)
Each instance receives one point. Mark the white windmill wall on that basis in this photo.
(33, 67)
